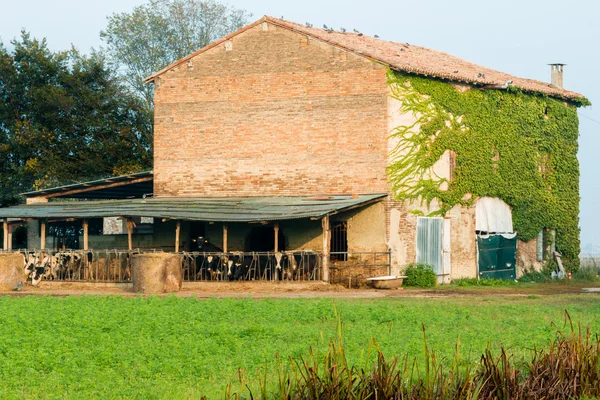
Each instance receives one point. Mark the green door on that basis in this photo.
(497, 256)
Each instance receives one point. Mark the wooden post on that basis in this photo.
(326, 245)
(177, 232)
(130, 233)
(86, 231)
(224, 237)
(5, 244)
(276, 229)
(43, 235)
(10, 230)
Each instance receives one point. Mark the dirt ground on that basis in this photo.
(305, 290)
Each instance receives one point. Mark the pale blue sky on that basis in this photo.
(517, 37)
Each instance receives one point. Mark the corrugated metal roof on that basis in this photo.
(135, 190)
(226, 209)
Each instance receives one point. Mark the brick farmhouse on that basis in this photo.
(279, 110)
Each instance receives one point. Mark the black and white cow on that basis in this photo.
(45, 267)
(69, 264)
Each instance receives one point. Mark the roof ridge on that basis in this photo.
(399, 56)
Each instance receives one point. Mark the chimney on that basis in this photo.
(556, 77)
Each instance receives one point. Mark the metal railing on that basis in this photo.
(251, 266)
(115, 265)
(78, 265)
(357, 266)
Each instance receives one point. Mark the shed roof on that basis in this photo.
(115, 187)
(402, 57)
(226, 209)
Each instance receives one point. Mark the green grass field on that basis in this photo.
(113, 347)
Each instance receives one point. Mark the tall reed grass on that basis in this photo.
(567, 368)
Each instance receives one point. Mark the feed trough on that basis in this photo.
(387, 282)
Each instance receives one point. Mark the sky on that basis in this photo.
(518, 37)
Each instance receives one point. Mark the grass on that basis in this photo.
(112, 347)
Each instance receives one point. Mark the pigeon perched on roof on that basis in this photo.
(325, 26)
(376, 36)
(18, 287)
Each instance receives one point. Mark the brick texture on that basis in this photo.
(278, 114)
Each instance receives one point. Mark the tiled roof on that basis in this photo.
(402, 57)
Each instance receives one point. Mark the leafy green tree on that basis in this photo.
(160, 32)
(65, 117)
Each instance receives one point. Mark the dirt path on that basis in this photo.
(259, 290)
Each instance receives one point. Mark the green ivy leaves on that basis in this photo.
(521, 148)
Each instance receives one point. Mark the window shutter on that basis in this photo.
(429, 242)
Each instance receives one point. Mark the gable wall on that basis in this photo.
(278, 114)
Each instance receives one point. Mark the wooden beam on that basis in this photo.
(5, 244)
(326, 245)
(276, 231)
(43, 235)
(86, 230)
(177, 232)
(224, 237)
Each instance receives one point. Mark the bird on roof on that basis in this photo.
(324, 26)
(309, 25)
(360, 34)
(18, 287)
(343, 30)
(355, 31)
(376, 36)
(330, 30)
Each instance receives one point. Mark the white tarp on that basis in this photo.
(493, 215)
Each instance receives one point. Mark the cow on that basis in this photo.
(214, 267)
(69, 264)
(45, 267)
(30, 261)
(239, 267)
(112, 266)
(290, 268)
(204, 245)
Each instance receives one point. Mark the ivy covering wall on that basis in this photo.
(519, 147)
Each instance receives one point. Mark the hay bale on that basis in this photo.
(156, 273)
(11, 270)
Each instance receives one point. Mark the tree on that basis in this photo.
(65, 117)
(156, 34)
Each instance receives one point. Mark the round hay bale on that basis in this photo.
(154, 273)
(11, 270)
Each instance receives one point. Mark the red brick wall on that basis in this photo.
(278, 114)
